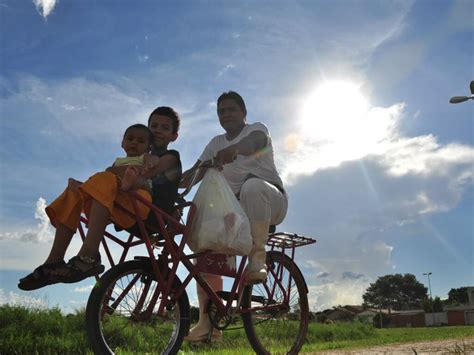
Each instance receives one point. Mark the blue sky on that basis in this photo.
(378, 165)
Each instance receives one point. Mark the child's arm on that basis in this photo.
(189, 174)
(139, 177)
(151, 162)
(156, 165)
(133, 179)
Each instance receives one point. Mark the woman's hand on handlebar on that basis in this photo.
(225, 156)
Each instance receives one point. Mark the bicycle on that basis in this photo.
(146, 295)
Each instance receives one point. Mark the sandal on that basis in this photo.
(43, 275)
(79, 268)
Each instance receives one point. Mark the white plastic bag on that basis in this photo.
(220, 223)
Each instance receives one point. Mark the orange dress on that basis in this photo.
(104, 188)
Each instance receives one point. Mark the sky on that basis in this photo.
(378, 165)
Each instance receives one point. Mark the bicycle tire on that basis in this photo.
(283, 330)
(115, 328)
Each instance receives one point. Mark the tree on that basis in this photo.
(395, 291)
(431, 306)
(437, 305)
(458, 296)
(193, 314)
(381, 324)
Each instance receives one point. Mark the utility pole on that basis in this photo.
(431, 297)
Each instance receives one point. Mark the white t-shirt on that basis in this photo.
(260, 164)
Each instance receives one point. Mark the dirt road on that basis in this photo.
(450, 346)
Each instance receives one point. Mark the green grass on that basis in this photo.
(32, 331)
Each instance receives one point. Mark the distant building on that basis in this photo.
(461, 314)
(408, 319)
(340, 314)
(470, 295)
(452, 315)
(368, 314)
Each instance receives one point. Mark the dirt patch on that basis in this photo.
(450, 346)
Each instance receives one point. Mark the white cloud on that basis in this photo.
(143, 58)
(359, 198)
(322, 275)
(93, 110)
(15, 299)
(226, 69)
(351, 275)
(347, 272)
(343, 292)
(44, 7)
(43, 231)
(374, 134)
(76, 306)
(330, 137)
(84, 289)
(425, 156)
(68, 107)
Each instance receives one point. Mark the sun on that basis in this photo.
(337, 124)
(333, 112)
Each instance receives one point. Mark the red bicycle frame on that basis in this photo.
(166, 265)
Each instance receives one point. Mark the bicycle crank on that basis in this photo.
(218, 321)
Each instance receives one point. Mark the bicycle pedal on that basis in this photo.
(259, 299)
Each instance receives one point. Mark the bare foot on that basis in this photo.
(129, 178)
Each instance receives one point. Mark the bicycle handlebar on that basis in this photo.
(204, 165)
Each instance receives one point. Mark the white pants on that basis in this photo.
(262, 201)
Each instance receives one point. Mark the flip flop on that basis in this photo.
(43, 275)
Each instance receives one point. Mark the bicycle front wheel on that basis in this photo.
(279, 322)
(121, 313)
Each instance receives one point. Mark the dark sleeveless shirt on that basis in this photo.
(165, 189)
(165, 185)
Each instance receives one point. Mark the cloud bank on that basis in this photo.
(365, 182)
(43, 232)
(15, 299)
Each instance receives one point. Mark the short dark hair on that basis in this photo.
(232, 95)
(142, 127)
(168, 112)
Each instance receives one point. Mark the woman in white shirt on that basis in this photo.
(244, 154)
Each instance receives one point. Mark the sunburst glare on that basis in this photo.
(334, 111)
(336, 124)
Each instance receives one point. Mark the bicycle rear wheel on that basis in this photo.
(281, 329)
(121, 314)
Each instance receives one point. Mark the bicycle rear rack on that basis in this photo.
(288, 240)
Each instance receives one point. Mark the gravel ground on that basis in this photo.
(450, 346)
